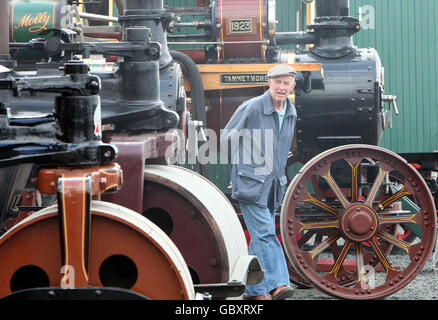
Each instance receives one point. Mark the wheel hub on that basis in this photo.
(359, 222)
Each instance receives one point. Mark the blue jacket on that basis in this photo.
(258, 150)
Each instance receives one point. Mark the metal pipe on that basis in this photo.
(104, 35)
(285, 38)
(332, 8)
(98, 17)
(222, 42)
(195, 24)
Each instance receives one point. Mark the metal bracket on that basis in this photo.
(246, 270)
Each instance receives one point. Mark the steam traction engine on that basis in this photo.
(145, 129)
(65, 246)
(342, 211)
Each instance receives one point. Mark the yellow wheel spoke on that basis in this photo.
(380, 255)
(354, 177)
(319, 225)
(338, 263)
(400, 194)
(321, 204)
(325, 244)
(359, 262)
(397, 219)
(334, 186)
(375, 188)
(394, 240)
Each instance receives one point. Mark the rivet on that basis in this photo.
(98, 292)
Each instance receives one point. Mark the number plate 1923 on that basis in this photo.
(240, 25)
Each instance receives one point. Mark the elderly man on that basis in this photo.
(261, 132)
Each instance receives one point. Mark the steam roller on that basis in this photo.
(198, 218)
(344, 206)
(80, 247)
(143, 123)
(141, 261)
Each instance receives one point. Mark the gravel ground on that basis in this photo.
(423, 287)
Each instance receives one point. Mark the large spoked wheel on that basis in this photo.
(126, 251)
(343, 207)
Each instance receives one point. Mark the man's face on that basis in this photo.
(280, 88)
